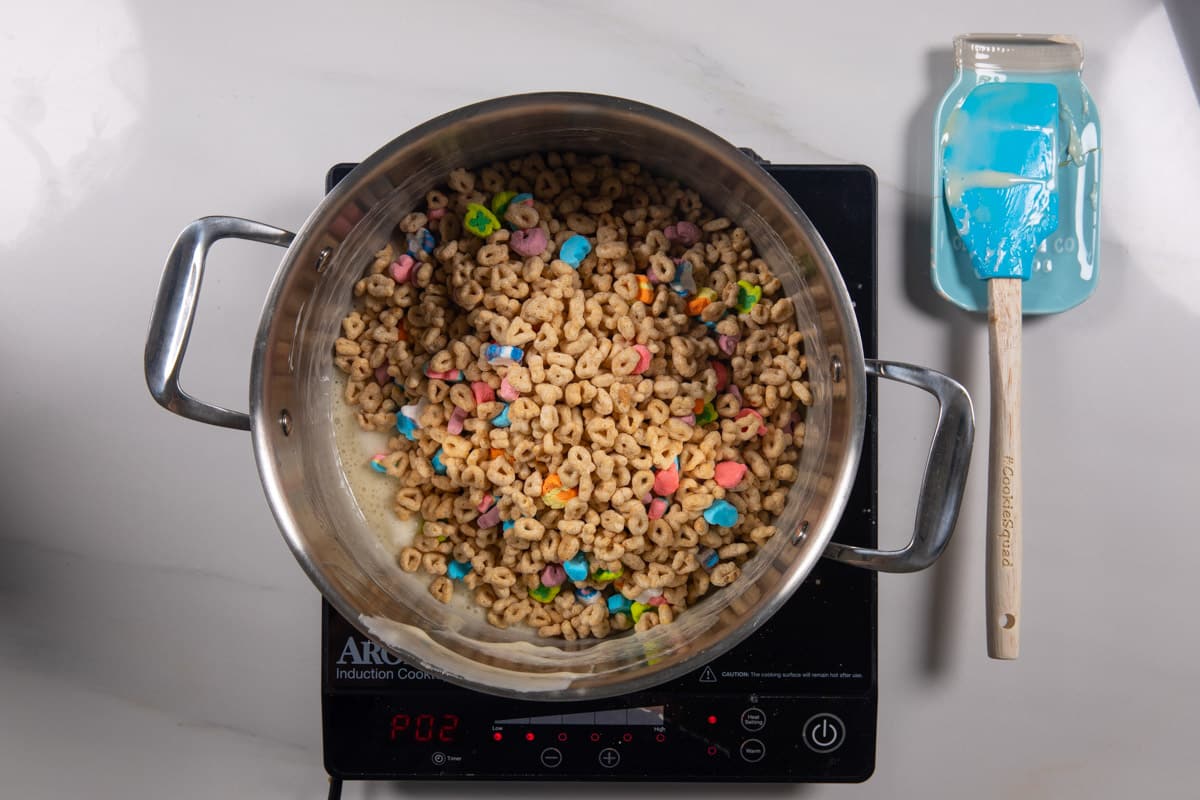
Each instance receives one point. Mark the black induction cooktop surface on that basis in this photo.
(796, 701)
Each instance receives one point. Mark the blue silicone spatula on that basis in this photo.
(999, 159)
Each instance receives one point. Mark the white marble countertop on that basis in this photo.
(157, 639)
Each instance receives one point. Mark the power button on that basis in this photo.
(824, 733)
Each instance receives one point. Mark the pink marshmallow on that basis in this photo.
(454, 425)
(507, 392)
(728, 344)
(553, 575)
(381, 376)
(729, 474)
(658, 507)
(643, 363)
(489, 518)
(722, 374)
(666, 481)
(482, 393)
(402, 268)
(762, 429)
(487, 502)
(686, 233)
(529, 242)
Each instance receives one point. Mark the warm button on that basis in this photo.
(824, 733)
(753, 751)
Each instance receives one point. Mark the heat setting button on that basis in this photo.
(754, 720)
(824, 733)
(609, 757)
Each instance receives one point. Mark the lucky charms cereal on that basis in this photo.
(594, 387)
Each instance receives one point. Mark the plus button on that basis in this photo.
(609, 757)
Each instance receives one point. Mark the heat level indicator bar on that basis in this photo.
(649, 716)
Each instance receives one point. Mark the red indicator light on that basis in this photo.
(660, 737)
(562, 737)
(712, 719)
(712, 749)
(595, 737)
(627, 737)
(497, 736)
(529, 736)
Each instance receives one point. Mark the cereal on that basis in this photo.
(553, 575)
(402, 268)
(605, 575)
(406, 427)
(529, 242)
(505, 355)
(420, 241)
(684, 232)
(489, 518)
(544, 594)
(457, 417)
(597, 391)
(500, 203)
(576, 568)
(480, 221)
(619, 604)
(482, 393)
(721, 513)
(501, 420)
(684, 283)
(666, 481)
(748, 296)
(658, 507)
(574, 250)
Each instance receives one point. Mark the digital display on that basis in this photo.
(424, 728)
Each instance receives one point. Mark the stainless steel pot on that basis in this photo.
(291, 401)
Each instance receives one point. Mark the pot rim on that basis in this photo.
(307, 243)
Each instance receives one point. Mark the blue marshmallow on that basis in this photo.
(721, 513)
(574, 250)
(576, 567)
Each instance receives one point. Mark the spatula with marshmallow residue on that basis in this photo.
(999, 155)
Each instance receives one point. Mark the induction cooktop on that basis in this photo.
(794, 702)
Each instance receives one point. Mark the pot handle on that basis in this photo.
(945, 474)
(175, 308)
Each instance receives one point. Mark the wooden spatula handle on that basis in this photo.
(1004, 470)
